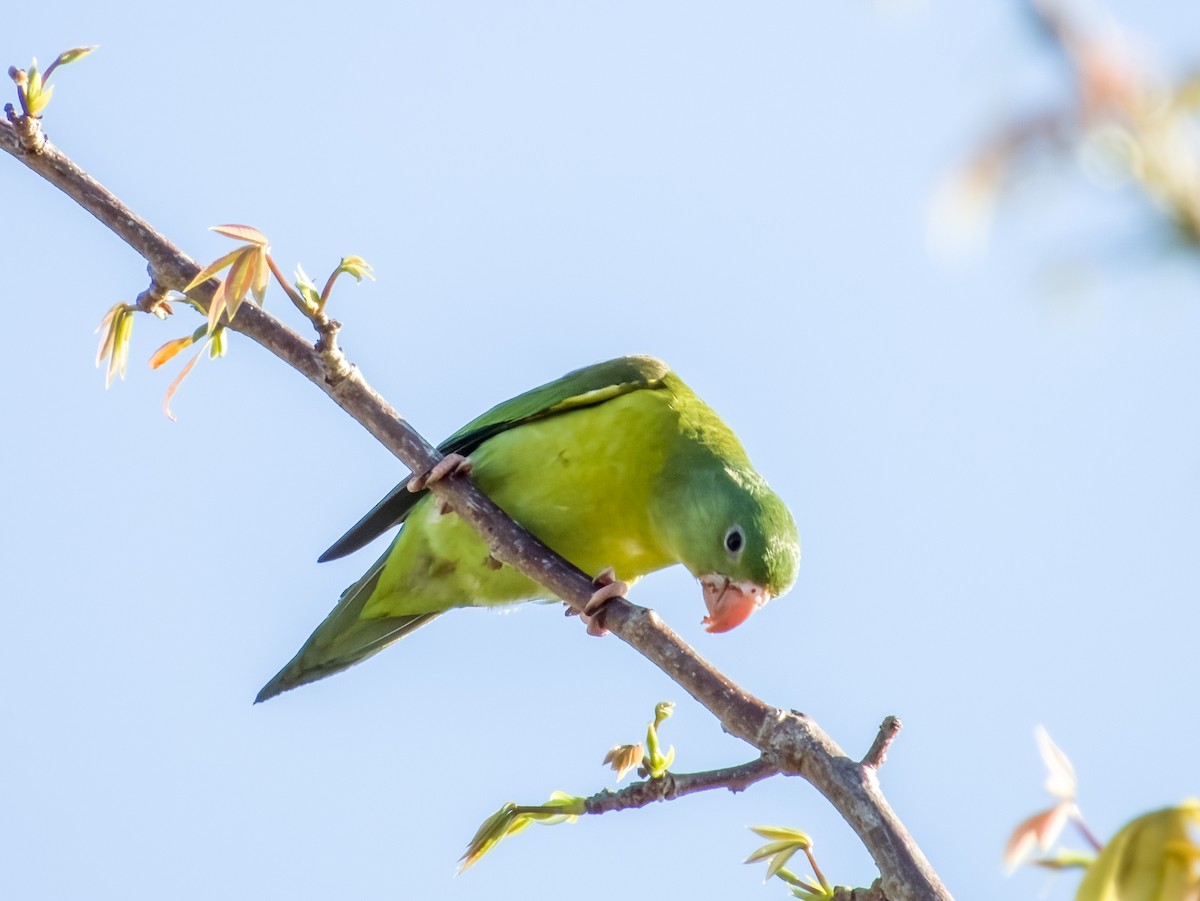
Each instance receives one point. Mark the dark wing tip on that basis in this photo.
(266, 693)
(334, 552)
(392, 510)
(291, 676)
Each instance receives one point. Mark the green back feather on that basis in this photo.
(344, 638)
(582, 388)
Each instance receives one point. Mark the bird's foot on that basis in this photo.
(607, 586)
(449, 464)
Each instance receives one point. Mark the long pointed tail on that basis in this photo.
(344, 639)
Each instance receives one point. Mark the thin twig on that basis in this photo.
(1086, 832)
(297, 301)
(676, 785)
(877, 753)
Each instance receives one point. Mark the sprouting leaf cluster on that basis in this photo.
(563, 808)
(1154, 857)
(782, 844)
(33, 90)
(651, 760)
(248, 270)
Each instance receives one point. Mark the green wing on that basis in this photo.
(344, 638)
(585, 387)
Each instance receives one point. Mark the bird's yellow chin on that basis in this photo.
(730, 603)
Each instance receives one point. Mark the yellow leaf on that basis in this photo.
(122, 328)
(1152, 858)
(212, 269)
(771, 849)
(39, 100)
(504, 822)
(560, 808)
(117, 329)
(262, 272)
(33, 85)
(216, 307)
(356, 266)
(779, 860)
(216, 346)
(239, 279)
(306, 289)
(782, 834)
(69, 56)
(241, 233)
(169, 350)
(106, 339)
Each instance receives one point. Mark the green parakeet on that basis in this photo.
(615, 465)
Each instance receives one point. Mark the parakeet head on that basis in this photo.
(737, 537)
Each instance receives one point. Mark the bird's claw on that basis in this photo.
(607, 586)
(449, 464)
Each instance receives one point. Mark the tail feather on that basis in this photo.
(344, 639)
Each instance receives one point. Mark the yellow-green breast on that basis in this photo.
(581, 481)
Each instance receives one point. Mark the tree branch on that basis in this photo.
(877, 753)
(790, 741)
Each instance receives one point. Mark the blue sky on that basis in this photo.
(994, 464)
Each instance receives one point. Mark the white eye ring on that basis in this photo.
(735, 540)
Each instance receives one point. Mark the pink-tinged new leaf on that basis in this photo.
(106, 345)
(212, 269)
(262, 273)
(1060, 775)
(242, 233)
(1040, 830)
(178, 380)
(623, 758)
(239, 279)
(169, 350)
(216, 307)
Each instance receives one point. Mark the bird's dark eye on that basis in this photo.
(734, 539)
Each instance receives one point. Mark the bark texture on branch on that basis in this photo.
(790, 742)
(675, 785)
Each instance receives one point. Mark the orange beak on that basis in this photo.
(730, 603)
